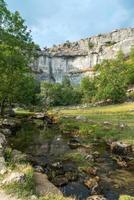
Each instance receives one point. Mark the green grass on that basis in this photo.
(23, 112)
(93, 126)
(118, 108)
(125, 197)
(22, 190)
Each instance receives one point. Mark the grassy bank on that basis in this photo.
(120, 118)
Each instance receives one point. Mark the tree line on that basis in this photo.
(18, 84)
(111, 82)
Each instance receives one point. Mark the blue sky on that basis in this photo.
(55, 21)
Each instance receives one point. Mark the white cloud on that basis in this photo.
(55, 21)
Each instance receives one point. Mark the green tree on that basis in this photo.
(111, 81)
(16, 53)
(59, 94)
(130, 68)
(88, 89)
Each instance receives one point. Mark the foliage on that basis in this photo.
(88, 89)
(111, 82)
(130, 68)
(16, 52)
(110, 43)
(59, 94)
(90, 44)
(126, 197)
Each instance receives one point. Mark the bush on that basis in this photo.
(60, 94)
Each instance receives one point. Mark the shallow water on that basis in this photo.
(45, 147)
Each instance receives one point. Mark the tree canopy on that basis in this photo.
(16, 52)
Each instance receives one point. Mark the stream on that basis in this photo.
(65, 159)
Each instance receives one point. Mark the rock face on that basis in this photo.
(44, 186)
(77, 59)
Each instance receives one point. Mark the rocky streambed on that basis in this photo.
(66, 163)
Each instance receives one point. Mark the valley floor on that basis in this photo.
(120, 116)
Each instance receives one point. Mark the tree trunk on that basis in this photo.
(2, 106)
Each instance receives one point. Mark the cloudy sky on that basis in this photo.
(55, 21)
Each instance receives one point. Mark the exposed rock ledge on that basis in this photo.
(76, 59)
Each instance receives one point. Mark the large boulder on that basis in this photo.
(14, 177)
(18, 156)
(121, 148)
(6, 131)
(96, 197)
(2, 165)
(9, 123)
(44, 186)
(60, 180)
(2, 141)
(2, 159)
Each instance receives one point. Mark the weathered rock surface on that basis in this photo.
(6, 131)
(44, 186)
(2, 141)
(9, 123)
(120, 148)
(96, 197)
(74, 143)
(2, 159)
(2, 165)
(14, 177)
(92, 184)
(18, 156)
(76, 59)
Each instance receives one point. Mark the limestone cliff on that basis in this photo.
(77, 59)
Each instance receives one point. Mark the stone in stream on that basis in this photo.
(76, 190)
(56, 165)
(92, 184)
(74, 143)
(44, 186)
(121, 148)
(43, 116)
(38, 168)
(71, 176)
(90, 170)
(120, 161)
(60, 180)
(96, 197)
(39, 115)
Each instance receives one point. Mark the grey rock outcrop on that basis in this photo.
(44, 186)
(2, 159)
(77, 59)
